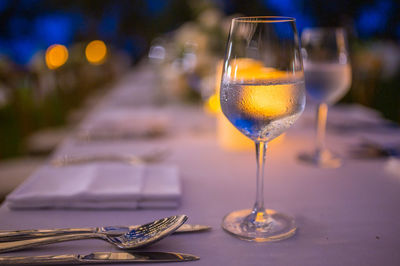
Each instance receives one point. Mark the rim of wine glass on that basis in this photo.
(268, 19)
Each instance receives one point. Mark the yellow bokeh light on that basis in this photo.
(213, 105)
(247, 69)
(264, 100)
(260, 102)
(96, 52)
(56, 56)
(267, 100)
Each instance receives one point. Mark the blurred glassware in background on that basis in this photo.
(185, 58)
(157, 51)
(328, 77)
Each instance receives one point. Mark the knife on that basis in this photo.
(99, 257)
(6, 236)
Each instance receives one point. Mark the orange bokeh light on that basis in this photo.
(56, 56)
(96, 52)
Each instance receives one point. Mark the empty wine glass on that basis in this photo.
(328, 78)
(262, 95)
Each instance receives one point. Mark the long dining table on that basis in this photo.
(345, 216)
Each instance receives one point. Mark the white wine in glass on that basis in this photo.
(262, 95)
(328, 78)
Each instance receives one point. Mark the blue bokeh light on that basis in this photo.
(398, 32)
(304, 21)
(108, 26)
(22, 50)
(155, 7)
(374, 18)
(4, 5)
(282, 6)
(54, 28)
(291, 8)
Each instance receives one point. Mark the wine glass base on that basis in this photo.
(324, 159)
(273, 226)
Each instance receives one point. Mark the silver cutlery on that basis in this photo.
(6, 236)
(141, 236)
(151, 157)
(99, 257)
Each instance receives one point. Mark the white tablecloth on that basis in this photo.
(345, 216)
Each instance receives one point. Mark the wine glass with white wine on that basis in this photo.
(262, 94)
(328, 78)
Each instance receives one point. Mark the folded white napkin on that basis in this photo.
(125, 123)
(99, 186)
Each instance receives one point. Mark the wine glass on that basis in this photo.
(328, 78)
(262, 94)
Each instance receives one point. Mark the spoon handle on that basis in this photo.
(6, 236)
(29, 243)
(41, 260)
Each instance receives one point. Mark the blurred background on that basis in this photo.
(58, 57)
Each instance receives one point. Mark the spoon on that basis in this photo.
(141, 236)
(8, 236)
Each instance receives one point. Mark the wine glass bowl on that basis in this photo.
(262, 95)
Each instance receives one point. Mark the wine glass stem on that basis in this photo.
(261, 148)
(322, 112)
